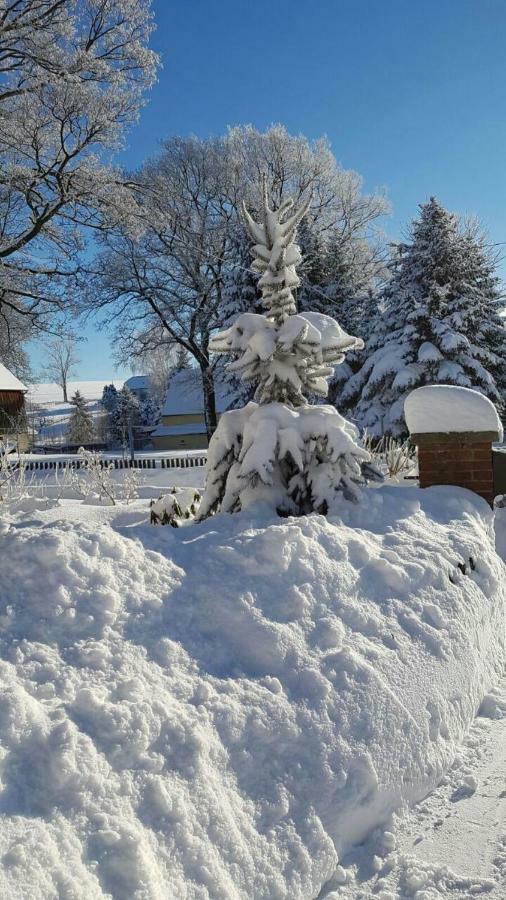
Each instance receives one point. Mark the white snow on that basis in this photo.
(185, 395)
(48, 393)
(8, 381)
(446, 408)
(225, 710)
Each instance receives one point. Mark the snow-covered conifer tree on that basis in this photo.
(438, 324)
(278, 448)
(149, 411)
(125, 414)
(81, 429)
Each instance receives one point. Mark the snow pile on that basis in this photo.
(446, 408)
(223, 711)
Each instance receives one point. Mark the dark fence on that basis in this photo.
(77, 462)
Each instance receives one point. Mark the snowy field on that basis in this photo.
(45, 401)
(50, 394)
(229, 710)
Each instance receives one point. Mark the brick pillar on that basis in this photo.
(463, 459)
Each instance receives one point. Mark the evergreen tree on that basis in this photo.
(149, 411)
(239, 295)
(338, 277)
(108, 403)
(81, 429)
(124, 415)
(279, 449)
(109, 397)
(438, 324)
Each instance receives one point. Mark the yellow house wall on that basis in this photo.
(187, 419)
(180, 442)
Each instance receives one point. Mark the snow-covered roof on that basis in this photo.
(137, 383)
(185, 396)
(444, 408)
(8, 381)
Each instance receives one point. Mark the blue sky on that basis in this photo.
(412, 95)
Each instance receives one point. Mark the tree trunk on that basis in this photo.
(210, 416)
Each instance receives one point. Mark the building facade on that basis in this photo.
(182, 424)
(13, 424)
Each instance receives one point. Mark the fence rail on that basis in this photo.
(76, 462)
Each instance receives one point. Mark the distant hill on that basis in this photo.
(50, 394)
(48, 412)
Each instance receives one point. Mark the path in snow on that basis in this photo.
(452, 844)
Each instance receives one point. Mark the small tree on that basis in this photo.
(108, 402)
(149, 411)
(278, 448)
(81, 429)
(125, 415)
(109, 398)
(61, 361)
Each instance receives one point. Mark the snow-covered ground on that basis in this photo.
(45, 404)
(48, 393)
(227, 710)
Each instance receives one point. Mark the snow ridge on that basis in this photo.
(172, 726)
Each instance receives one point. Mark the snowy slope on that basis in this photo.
(222, 711)
(45, 401)
(48, 393)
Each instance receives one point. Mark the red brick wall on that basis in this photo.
(466, 464)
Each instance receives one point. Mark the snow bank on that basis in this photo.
(445, 408)
(222, 711)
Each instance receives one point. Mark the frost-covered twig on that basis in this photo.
(130, 483)
(396, 456)
(99, 475)
(14, 483)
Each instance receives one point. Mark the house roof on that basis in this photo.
(185, 396)
(137, 382)
(8, 381)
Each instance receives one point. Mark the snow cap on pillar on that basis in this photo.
(447, 409)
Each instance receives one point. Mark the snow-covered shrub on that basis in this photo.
(66, 481)
(397, 457)
(97, 476)
(180, 505)
(130, 481)
(15, 483)
(279, 448)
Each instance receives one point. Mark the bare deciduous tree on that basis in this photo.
(61, 361)
(172, 284)
(72, 75)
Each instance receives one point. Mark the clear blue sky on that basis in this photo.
(412, 95)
